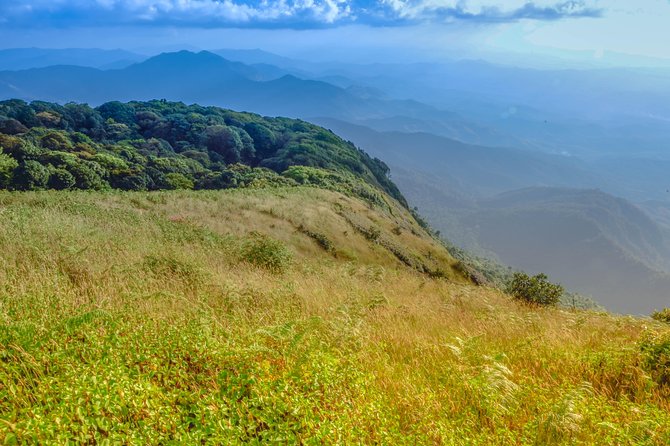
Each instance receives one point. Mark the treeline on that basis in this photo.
(169, 145)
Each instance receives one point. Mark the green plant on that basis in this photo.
(260, 250)
(535, 290)
(662, 316)
(323, 241)
(655, 351)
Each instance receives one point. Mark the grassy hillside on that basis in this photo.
(292, 315)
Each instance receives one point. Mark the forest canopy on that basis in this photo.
(169, 145)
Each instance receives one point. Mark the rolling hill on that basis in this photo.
(591, 242)
(26, 58)
(476, 170)
(293, 298)
(224, 317)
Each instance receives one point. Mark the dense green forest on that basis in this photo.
(169, 145)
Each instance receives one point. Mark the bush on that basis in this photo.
(536, 290)
(323, 241)
(178, 181)
(61, 179)
(7, 166)
(662, 316)
(267, 253)
(655, 351)
(30, 175)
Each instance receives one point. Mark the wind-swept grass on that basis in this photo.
(140, 318)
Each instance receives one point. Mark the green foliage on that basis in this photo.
(321, 239)
(662, 316)
(262, 251)
(61, 179)
(7, 166)
(536, 290)
(30, 175)
(655, 351)
(167, 145)
(176, 180)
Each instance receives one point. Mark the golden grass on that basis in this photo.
(132, 318)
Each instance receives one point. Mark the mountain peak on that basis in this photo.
(184, 56)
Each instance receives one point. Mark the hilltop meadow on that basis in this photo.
(288, 315)
(292, 297)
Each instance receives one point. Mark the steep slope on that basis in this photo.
(219, 317)
(477, 170)
(590, 241)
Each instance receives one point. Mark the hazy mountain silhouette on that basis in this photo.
(25, 58)
(590, 241)
(209, 79)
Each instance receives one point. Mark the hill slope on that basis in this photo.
(592, 242)
(588, 240)
(470, 170)
(180, 317)
(168, 145)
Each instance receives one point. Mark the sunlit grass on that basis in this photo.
(142, 318)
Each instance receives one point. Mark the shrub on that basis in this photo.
(536, 290)
(655, 351)
(30, 175)
(61, 179)
(7, 166)
(323, 241)
(267, 253)
(662, 316)
(178, 181)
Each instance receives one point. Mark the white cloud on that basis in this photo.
(292, 13)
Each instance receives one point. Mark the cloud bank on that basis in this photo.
(284, 13)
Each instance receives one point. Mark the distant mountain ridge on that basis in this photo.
(590, 241)
(26, 58)
(530, 210)
(209, 79)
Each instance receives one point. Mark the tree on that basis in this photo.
(535, 290)
(88, 175)
(248, 151)
(7, 166)
(264, 139)
(226, 142)
(61, 179)
(11, 126)
(19, 149)
(83, 118)
(30, 175)
(56, 141)
(178, 181)
(19, 110)
(119, 112)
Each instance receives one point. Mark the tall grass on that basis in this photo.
(139, 318)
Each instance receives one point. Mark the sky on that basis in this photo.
(541, 32)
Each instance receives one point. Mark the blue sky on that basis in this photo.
(588, 30)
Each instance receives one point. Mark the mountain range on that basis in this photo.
(453, 146)
(531, 210)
